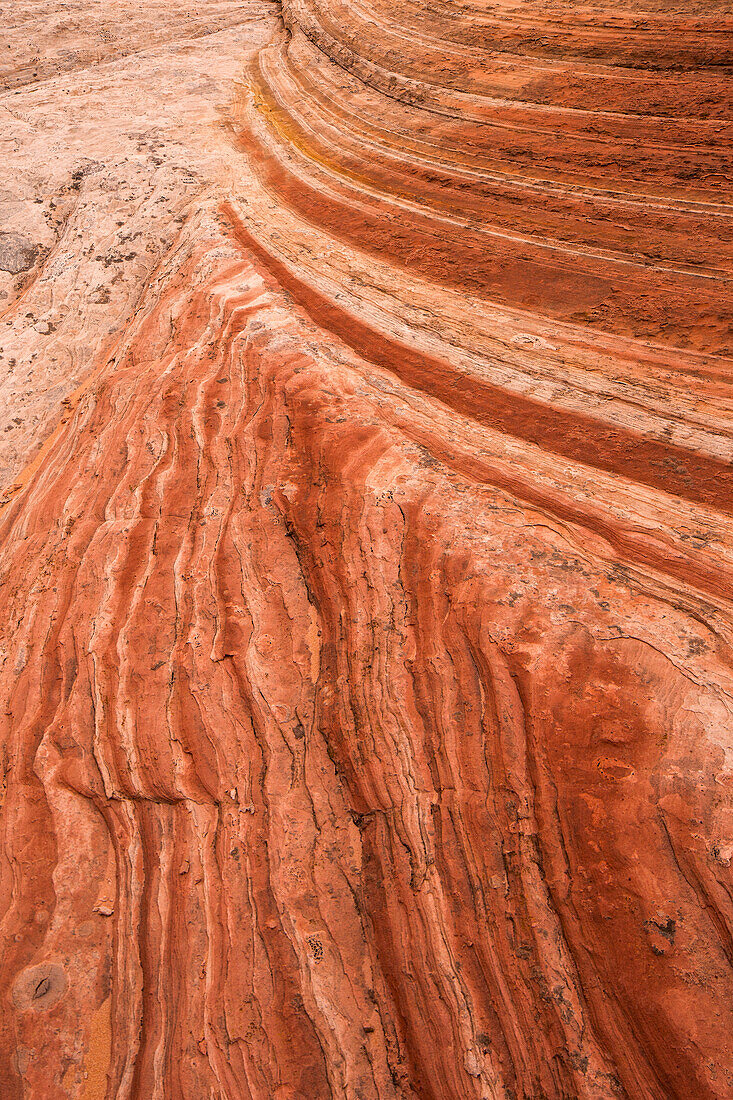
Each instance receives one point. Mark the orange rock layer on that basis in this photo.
(366, 630)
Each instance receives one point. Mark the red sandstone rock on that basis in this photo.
(366, 628)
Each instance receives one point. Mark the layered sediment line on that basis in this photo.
(366, 628)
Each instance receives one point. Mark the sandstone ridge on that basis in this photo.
(365, 621)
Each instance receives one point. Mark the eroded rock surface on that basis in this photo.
(366, 623)
(101, 161)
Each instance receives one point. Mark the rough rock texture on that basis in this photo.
(99, 167)
(366, 625)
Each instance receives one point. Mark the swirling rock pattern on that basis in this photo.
(366, 629)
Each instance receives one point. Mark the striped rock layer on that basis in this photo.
(365, 630)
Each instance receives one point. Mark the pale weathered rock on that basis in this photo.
(365, 622)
